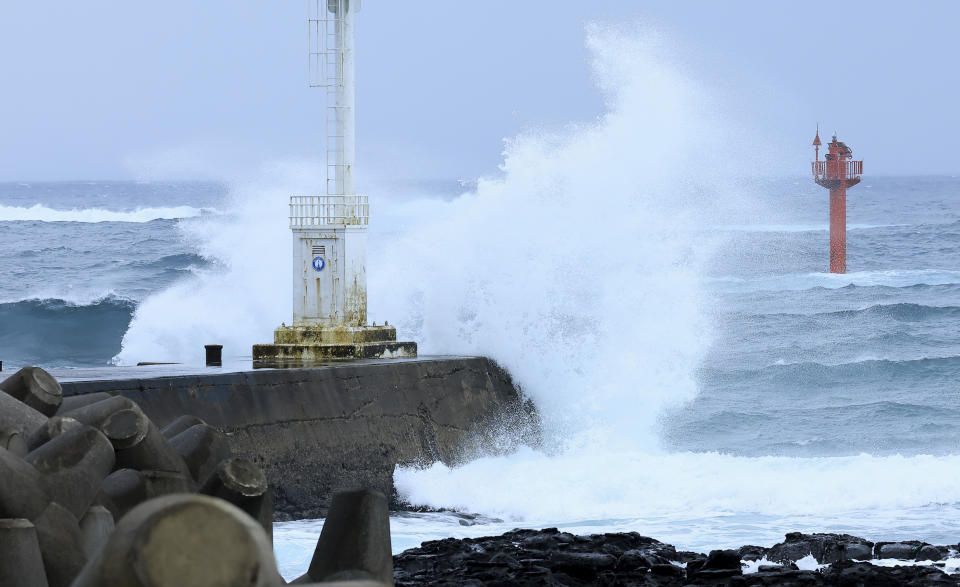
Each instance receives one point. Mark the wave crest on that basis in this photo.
(41, 213)
(55, 332)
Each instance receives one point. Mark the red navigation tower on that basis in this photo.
(837, 174)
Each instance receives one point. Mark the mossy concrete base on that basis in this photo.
(313, 353)
(311, 344)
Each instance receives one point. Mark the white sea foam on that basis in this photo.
(802, 281)
(237, 303)
(615, 484)
(797, 227)
(41, 213)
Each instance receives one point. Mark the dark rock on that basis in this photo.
(547, 557)
(777, 568)
(826, 548)
(720, 564)
(551, 557)
(752, 553)
(857, 551)
(866, 574)
(899, 550)
(933, 553)
(722, 559)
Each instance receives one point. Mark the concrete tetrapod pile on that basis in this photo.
(93, 493)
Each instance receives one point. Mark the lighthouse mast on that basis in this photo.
(836, 173)
(331, 68)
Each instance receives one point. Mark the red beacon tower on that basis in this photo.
(837, 173)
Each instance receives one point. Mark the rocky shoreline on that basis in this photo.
(551, 557)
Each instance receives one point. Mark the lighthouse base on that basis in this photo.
(310, 344)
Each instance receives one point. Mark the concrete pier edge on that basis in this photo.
(318, 430)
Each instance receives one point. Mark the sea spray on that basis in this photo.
(238, 300)
(576, 270)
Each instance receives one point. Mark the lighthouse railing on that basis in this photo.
(853, 168)
(308, 211)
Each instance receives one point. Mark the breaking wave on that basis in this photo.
(54, 332)
(802, 281)
(41, 213)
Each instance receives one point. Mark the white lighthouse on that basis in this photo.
(330, 230)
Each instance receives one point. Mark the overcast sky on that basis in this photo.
(199, 88)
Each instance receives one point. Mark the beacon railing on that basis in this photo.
(853, 167)
(329, 210)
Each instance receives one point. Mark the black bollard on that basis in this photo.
(21, 564)
(202, 448)
(184, 540)
(36, 388)
(74, 464)
(243, 484)
(354, 544)
(214, 354)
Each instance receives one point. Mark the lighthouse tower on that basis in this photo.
(330, 230)
(836, 173)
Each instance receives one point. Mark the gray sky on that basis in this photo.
(200, 89)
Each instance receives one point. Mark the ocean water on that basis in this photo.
(809, 378)
(701, 378)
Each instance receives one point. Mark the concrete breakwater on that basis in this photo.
(315, 431)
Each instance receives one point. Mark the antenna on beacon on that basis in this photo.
(816, 144)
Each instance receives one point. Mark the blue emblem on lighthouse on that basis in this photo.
(319, 263)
